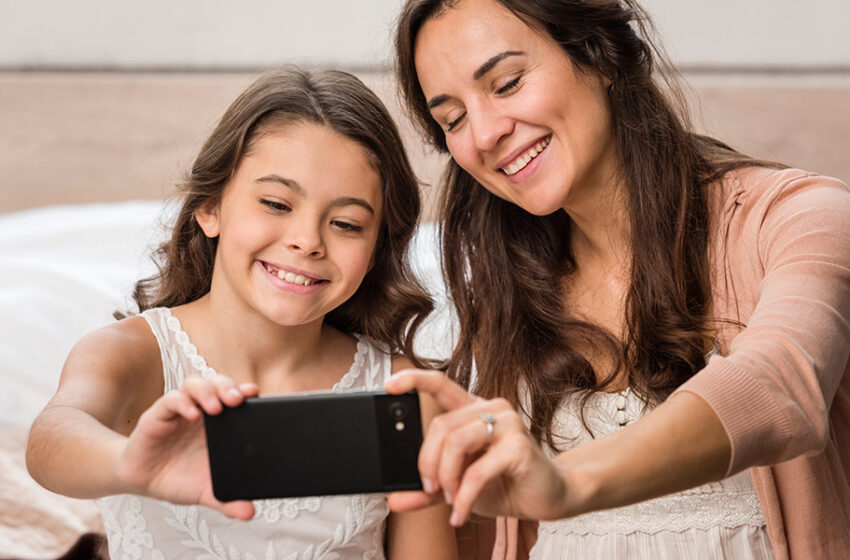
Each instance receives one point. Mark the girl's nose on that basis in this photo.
(305, 239)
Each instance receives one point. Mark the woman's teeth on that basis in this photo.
(524, 159)
(291, 277)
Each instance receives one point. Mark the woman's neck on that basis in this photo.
(600, 231)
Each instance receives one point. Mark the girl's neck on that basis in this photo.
(279, 359)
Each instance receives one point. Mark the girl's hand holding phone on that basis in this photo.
(166, 454)
(479, 457)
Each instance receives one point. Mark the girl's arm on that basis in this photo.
(424, 533)
(101, 435)
(109, 377)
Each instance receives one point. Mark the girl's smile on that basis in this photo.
(296, 235)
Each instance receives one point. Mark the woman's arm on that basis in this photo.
(679, 445)
(766, 401)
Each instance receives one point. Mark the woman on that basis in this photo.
(654, 315)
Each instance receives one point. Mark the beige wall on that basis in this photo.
(83, 137)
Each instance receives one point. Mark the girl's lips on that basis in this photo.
(295, 279)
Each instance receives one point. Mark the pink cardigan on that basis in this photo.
(780, 386)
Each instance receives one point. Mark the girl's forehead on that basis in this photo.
(315, 157)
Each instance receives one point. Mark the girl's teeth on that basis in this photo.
(293, 278)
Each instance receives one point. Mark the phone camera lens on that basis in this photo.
(397, 411)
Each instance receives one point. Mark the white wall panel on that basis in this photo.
(356, 33)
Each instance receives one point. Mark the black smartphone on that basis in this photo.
(315, 443)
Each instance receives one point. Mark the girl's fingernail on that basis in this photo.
(454, 520)
(447, 496)
(428, 485)
(234, 392)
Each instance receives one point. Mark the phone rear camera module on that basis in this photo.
(398, 411)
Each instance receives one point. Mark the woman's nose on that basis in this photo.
(488, 128)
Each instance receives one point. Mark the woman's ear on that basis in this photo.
(207, 217)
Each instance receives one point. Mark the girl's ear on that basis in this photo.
(207, 217)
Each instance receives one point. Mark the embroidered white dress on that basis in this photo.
(714, 521)
(326, 527)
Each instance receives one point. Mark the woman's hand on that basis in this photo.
(463, 463)
(166, 454)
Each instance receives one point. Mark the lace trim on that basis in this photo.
(200, 364)
(677, 513)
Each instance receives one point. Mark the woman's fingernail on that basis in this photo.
(234, 392)
(454, 520)
(447, 496)
(428, 485)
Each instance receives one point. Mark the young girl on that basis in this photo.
(286, 271)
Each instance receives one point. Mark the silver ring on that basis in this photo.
(489, 421)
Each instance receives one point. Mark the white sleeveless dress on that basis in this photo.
(326, 527)
(714, 521)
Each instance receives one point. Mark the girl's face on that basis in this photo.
(297, 225)
(517, 114)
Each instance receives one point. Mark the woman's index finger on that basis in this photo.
(448, 394)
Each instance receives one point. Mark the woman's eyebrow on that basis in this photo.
(477, 75)
(493, 61)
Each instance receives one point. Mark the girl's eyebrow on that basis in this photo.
(293, 185)
(477, 75)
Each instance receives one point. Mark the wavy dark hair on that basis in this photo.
(390, 303)
(505, 268)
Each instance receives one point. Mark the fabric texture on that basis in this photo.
(314, 527)
(781, 254)
(717, 520)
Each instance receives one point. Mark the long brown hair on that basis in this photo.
(506, 268)
(390, 304)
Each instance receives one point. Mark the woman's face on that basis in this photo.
(518, 115)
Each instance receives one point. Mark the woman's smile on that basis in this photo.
(522, 161)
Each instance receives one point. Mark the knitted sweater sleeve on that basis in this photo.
(788, 252)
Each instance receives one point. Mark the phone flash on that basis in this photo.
(399, 426)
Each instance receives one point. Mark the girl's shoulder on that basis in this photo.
(112, 369)
(129, 342)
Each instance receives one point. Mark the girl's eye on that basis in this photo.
(275, 205)
(508, 86)
(346, 226)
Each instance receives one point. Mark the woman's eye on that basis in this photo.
(346, 226)
(453, 124)
(275, 205)
(508, 86)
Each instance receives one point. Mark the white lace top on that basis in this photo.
(717, 520)
(329, 527)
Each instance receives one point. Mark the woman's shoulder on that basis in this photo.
(757, 185)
